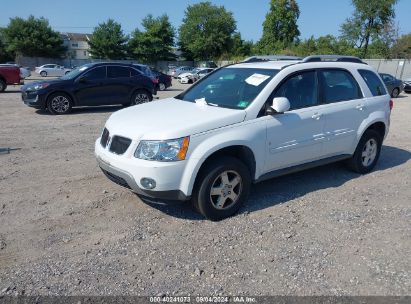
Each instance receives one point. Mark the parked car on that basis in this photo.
(9, 75)
(183, 69)
(164, 81)
(394, 85)
(202, 72)
(51, 70)
(93, 84)
(194, 75)
(24, 71)
(407, 85)
(188, 77)
(246, 123)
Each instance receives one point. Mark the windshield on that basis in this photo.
(234, 88)
(77, 71)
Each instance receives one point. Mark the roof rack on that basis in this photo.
(338, 58)
(270, 58)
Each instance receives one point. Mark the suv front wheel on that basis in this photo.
(367, 152)
(59, 103)
(222, 187)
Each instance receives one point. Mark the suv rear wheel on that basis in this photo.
(395, 92)
(59, 103)
(367, 152)
(140, 96)
(221, 188)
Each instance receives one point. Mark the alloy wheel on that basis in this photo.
(60, 104)
(226, 190)
(141, 98)
(369, 152)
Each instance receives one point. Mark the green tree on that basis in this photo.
(32, 37)
(280, 29)
(4, 54)
(155, 43)
(206, 31)
(402, 47)
(239, 47)
(368, 22)
(108, 41)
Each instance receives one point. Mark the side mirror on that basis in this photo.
(280, 105)
(82, 79)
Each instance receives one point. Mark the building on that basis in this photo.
(77, 45)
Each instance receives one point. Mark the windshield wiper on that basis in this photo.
(203, 101)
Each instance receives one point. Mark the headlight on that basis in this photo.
(40, 86)
(164, 150)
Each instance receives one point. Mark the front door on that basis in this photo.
(296, 136)
(91, 88)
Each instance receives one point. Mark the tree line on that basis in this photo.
(209, 32)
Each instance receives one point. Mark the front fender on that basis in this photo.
(251, 134)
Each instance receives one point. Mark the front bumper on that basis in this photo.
(34, 99)
(127, 171)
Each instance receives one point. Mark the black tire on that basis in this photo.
(364, 159)
(59, 103)
(395, 92)
(3, 85)
(211, 175)
(43, 74)
(140, 97)
(66, 72)
(162, 86)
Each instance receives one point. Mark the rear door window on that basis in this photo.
(373, 82)
(338, 85)
(117, 72)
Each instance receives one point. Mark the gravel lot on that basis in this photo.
(65, 229)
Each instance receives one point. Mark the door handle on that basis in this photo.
(360, 107)
(316, 116)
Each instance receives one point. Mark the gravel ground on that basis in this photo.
(65, 229)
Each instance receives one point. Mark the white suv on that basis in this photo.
(246, 123)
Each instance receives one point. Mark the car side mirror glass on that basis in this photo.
(280, 105)
(82, 79)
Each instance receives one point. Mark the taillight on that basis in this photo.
(391, 104)
(154, 80)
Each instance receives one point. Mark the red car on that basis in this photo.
(9, 75)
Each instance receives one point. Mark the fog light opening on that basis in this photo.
(148, 183)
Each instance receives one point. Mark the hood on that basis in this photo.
(170, 118)
(30, 86)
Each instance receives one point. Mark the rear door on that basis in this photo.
(344, 110)
(119, 84)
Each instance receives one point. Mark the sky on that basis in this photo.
(317, 18)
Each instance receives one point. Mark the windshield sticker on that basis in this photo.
(256, 79)
(243, 104)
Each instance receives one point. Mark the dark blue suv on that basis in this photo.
(93, 84)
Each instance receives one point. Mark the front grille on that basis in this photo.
(117, 179)
(104, 138)
(119, 144)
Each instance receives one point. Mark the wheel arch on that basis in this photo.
(141, 89)
(73, 99)
(240, 151)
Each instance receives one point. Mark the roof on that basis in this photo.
(275, 65)
(76, 36)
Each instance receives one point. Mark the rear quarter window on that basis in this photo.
(373, 82)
